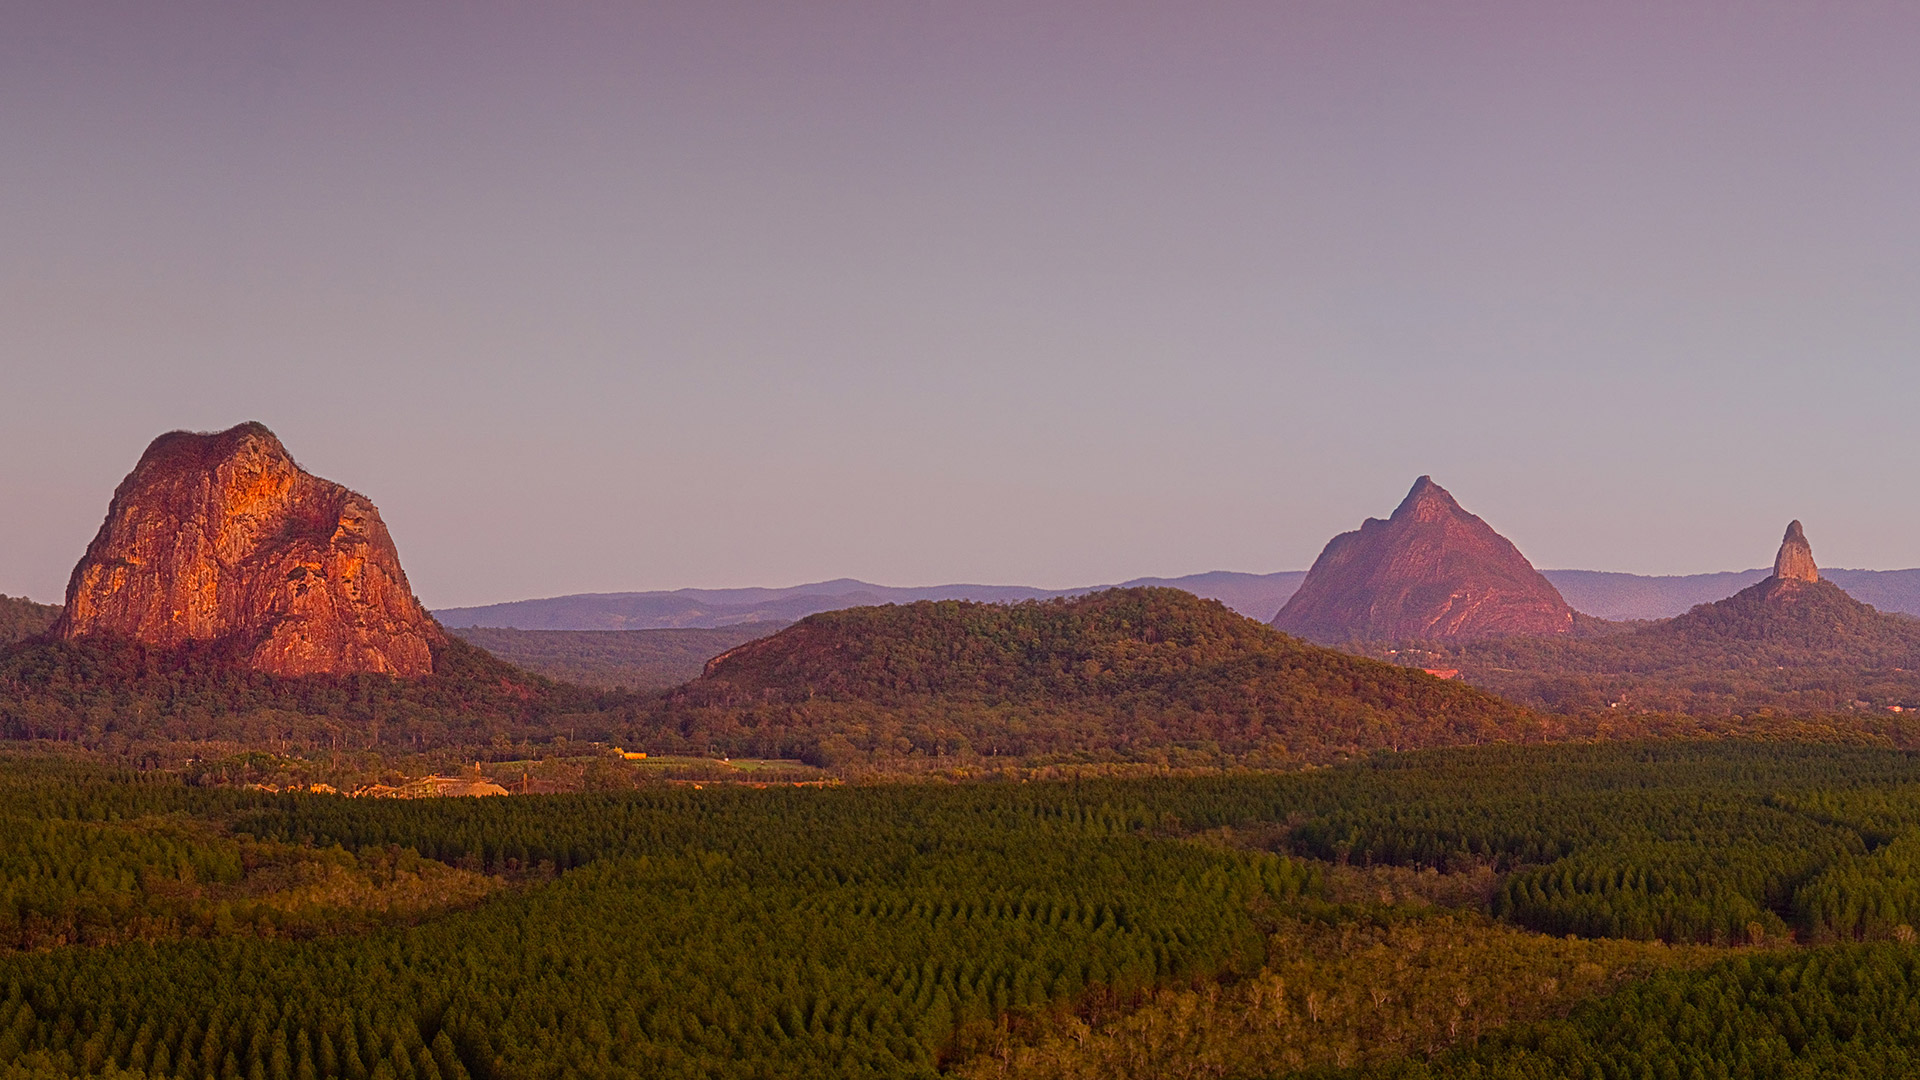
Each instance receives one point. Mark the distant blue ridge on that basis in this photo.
(1603, 593)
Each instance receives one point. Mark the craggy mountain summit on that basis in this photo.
(1795, 560)
(223, 539)
(1797, 609)
(1432, 571)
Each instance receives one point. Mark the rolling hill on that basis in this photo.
(1145, 674)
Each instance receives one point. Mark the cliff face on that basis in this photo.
(1431, 571)
(223, 538)
(1795, 559)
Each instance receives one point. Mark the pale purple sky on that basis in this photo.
(624, 296)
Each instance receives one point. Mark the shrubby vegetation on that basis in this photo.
(1845, 1011)
(1371, 987)
(98, 858)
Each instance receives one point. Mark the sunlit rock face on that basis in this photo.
(1431, 571)
(222, 538)
(1795, 560)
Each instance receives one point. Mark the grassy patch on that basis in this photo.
(1334, 995)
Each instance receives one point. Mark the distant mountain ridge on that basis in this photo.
(609, 659)
(1617, 596)
(1605, 594)
(1254, 595)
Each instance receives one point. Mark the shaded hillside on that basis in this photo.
(123, 696)
(1142, 674)
(22, 618)
(634, 659)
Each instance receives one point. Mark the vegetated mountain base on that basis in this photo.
(1142, 675)
(1743, 902)
(614, 659)
(1808, 648)
(1631, 597)
(1149, 677)
(159, 704)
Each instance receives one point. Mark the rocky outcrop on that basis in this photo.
(1431, 571)
(1795, 560)
(222, 538)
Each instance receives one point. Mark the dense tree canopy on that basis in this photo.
(891, 930)
(21, 618)
(1126, 673)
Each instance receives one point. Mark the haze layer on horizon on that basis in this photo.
(626, 297)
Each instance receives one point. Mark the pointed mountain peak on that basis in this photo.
(1426, 501)
(1795, 561)
(1431, 571)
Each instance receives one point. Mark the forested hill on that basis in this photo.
(1155, 674)
(22, 618)
(1803, 646)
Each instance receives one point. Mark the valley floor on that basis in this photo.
(1496, 911)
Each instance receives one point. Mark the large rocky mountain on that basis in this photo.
(1432, 571)
(222, 539)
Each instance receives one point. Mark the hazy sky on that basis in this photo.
(647, 295)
